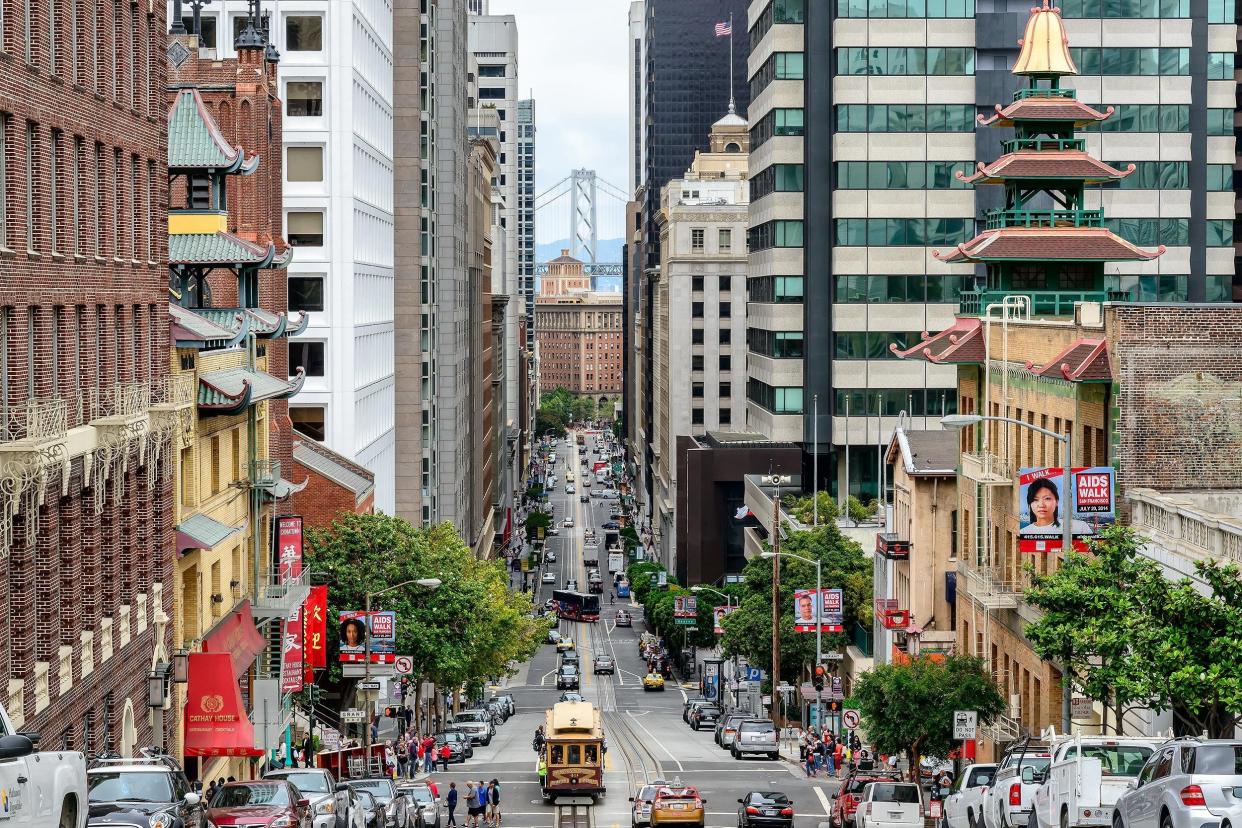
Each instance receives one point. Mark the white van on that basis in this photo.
(890, 805)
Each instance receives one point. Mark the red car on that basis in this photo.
(270, 803)
(846, 800)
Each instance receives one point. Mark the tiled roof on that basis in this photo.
(334, 467)
(1073, 164)
(263, 323)
(1046, 109)
(230, 390)
(202, 532)
(926, 452)
(1075, 244)
(195, 140)
(200, 329)
(220, 249)
(960, 343)
(1086, 360)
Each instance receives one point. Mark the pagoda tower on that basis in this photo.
(1044, 242)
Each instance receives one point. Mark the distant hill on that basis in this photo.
(609, 251)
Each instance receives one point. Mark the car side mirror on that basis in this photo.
(341, 787)
(1131, 784)
(191, 799)
(32, 735)
(15, 746)
(1028, 774)
(632, 799)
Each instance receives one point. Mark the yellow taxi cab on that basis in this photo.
(678, 804)
(653, 681)
(569, 477)
(564, 644)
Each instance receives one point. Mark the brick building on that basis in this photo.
(577, 331)
(335, 484)
(85, 488)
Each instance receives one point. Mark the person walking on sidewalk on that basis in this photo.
(452, 804)
(411, 751)
(419, 753)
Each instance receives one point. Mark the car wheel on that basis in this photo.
(1064, 817)
(1166, 821)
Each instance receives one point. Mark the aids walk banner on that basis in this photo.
(718, 616)
(825, 608)
(356, 628)
(1042, 505)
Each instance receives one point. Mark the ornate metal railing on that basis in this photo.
(1044, 218)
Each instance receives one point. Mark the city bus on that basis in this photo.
(576, 606)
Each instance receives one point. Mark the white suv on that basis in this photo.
(1187, 783)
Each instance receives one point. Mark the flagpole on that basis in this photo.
(731, 61)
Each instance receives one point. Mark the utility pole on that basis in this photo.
(775, 480)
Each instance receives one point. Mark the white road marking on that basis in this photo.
(685, 698)
(680, 766)
(823, 799)
(544, 681)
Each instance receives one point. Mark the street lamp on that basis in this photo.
(157, 697)
(728, 598)
(960, 421)
(819, 599)
(776, 481)
(429, 583)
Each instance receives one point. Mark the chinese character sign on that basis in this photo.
(291, 672)
(316, 628)
(1042, 506)
(289, 546)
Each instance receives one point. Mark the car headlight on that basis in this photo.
(326, 807)
(282, 822)
(162, 820)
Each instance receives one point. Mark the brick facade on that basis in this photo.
(324, 498)
(86, 562)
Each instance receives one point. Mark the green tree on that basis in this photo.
(559, 402)
(748, 630)
(583, 408)
(549, 421)
(535, 521)
(858, 511)
(629, 537)
(909, 707)
(802, 507)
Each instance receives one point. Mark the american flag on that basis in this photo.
(724, 28)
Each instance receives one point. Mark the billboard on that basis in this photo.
(718, 615)
(685, 606)
(1042, 506)
(355, 628)
(825, 608)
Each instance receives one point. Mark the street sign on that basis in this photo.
(834, 656)
(368, 685)
(1081, 708)
(353, 715)
(403, 665)
(850, 719)
(754, 674)
(965, 723)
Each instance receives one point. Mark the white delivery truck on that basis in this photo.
(40, 789)
(616, 561)
(1087, 776)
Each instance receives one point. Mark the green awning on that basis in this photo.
(229, 391)
(202, 532)
(195, 141)
(217, 250)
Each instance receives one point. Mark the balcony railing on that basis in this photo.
(264, 472)
(1044, 93)
(863, 639)
(1041, 144)
(279, 596)
(39, 419)
(986, 468)
(991, 586)
(1043, 302)
(997, 219)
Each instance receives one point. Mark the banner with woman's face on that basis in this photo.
(1090, 506)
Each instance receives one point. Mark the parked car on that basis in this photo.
(726, 729)
(689, 704)
(262, 803)
(603, 664)
(329, 800)
(962, 807)
(1007, 802)
(1187, 783)
(612, 524)
(640, 808)
(133, 791)
(477, 724)
(568, 522)
(584, 498)
(549, 577)
(678, 804)
(370, 807)
(424, 806)
(765, 809)
(554, 637)
(549, 556)
(890, 805)
(507, 700)
(705, 715)
(51, 786)
(756, 736)
(459, 737)
(845, 800)
(1087, 776)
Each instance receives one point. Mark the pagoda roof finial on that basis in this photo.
(1045, 46)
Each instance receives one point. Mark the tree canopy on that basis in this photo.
(470, 628)
(909, 707)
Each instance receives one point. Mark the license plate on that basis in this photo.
(769, 813)
(894, 814)
(679, 807)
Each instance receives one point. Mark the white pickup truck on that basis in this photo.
(43, 789)
(1007, 802)
(963, 807)
(1087, 776)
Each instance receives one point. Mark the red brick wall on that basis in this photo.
(1177, 399)
(83, 303)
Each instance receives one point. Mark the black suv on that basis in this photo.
(142, 791)
(567, 677)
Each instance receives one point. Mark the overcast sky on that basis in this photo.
(572, 58)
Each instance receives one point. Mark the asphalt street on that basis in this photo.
(646, 736)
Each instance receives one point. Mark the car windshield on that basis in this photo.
(568, 670)
(678, 793)
(1217, 760)
(1037, 763)
(1115, 760)
(471, 716)
(858, 783)
(310, 782)
(381, 789)
(709, 710)
(646, 792)
(240, 796)
(894, 792)
(769, 798)
(130, 786)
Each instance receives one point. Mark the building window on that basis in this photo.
(304, 99)
(775, 344)
(724, 241)
(872, 344)
(305, 229)
(696, 284)
(776, 288)
(905, 118)
(696, 336)
(696, 362)
(901, 175)
(726, 310)
(696, 416)
(306, 293)
(303, 33)
(907, 8)
(726, 335)
(31, 167)
(726, 416)
(725, 390)
(309, 420)
(906, 60)
(696, 390)
(210, 25)
(889, 402)
(878, 232)
(239, 23)
(786, 400)
(725, 283)
(307, 355)
(304, 164)
(696, 310)
(777, 233)
(725, 362)
(920, 288)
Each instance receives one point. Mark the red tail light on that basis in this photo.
(1015, 793)
(786, 811)
(1193, 795)
(751, 809)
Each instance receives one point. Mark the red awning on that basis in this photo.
(237, 637)
(215, 720)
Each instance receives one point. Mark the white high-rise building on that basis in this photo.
(336, 84)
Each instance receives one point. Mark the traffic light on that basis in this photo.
(834, 706)
(818, 681)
